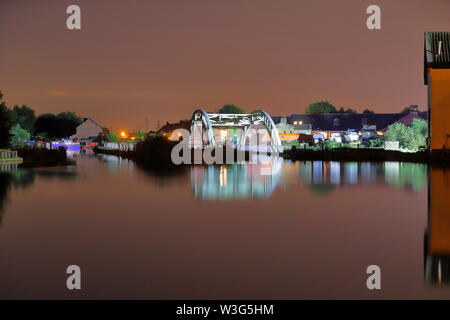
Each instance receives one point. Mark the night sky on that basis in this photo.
(160, 59)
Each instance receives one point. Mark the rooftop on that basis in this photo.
(348, 121)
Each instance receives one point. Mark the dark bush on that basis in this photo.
(155, 152)
(39, 157)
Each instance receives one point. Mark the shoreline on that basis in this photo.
(38, 157)
(339, 154)
(132, 155)
(372, 155)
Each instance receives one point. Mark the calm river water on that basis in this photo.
(308, 230)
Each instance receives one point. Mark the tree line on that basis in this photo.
(19, 123)
(326, 107)
(323, 106)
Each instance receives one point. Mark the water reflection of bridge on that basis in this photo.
(242, 181)
(237, 181)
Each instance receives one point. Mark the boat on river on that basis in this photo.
(64, 143)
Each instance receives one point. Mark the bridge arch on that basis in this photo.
(262, 117)
(202, 124)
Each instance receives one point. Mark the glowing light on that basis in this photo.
(123, 134)
(223, 135)
(223, 176)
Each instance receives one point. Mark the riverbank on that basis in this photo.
(39, 157)
(159, 157)
(151, 154)
(347, 154)
(155, 153)
(118, 153)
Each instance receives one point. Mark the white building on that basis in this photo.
(88, 129)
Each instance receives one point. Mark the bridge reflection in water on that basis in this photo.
(252, 181)
(242, 181)
(237, 181)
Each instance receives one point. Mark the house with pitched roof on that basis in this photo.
(89, 129)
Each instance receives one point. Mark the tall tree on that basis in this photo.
(5, 123)
(320, 107)
(19, 136)
(51, 126)
(231, 108)
(399, 132)
(68, 115)
(112, 137)
(420, 132)
(140, 135)
(409, 137)
(24, 116)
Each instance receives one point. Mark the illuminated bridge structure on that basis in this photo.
(202, 125)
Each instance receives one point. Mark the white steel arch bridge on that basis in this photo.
(202, 125)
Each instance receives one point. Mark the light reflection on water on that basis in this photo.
(244, 181)
(221, 218)
(437, 237)
(237, 181)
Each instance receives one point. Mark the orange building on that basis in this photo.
(437, 77)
